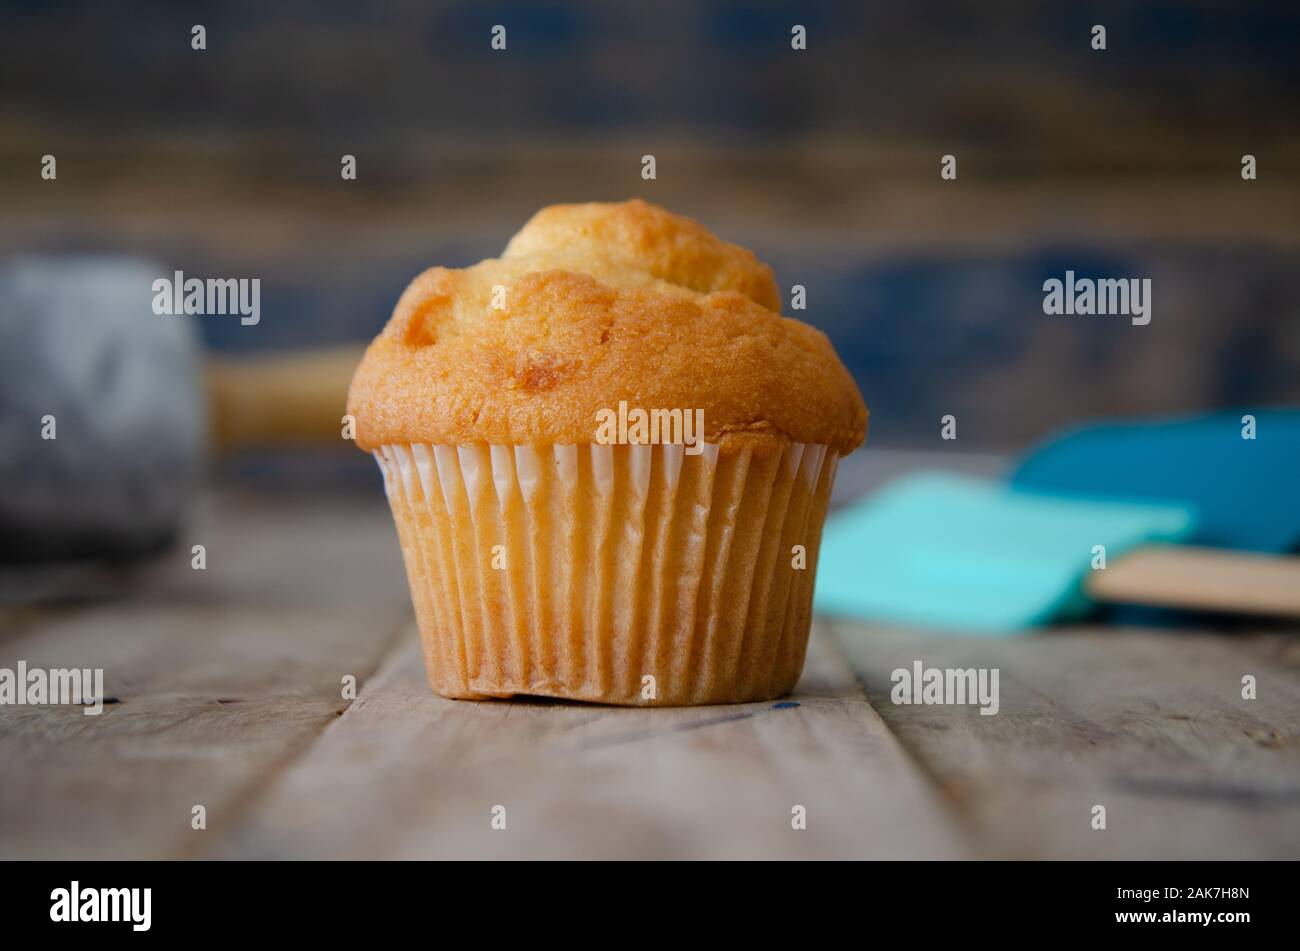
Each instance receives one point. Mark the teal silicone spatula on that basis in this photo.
(1239, 470)
(943, 550)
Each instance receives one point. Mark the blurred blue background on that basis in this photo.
(1122, 163)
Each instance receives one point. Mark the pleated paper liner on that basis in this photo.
(580, 571)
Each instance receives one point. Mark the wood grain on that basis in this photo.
(227, 684)
(1150, 724)
(405, 774)
(219, 677)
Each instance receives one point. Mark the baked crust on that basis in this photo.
(597, 304)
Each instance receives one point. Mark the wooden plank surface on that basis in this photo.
(1150, 724)
(220, 677)
(404, 774)
(227, 684)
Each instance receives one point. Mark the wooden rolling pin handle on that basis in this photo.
(1202, 579)
(296, 399)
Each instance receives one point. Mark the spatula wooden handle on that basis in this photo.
(271, 401)
(1202, 579)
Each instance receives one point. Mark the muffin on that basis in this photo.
(609, 458)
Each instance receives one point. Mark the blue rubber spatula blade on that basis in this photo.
(1246, 491)
(942, 550)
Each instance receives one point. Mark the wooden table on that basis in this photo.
(228, 695)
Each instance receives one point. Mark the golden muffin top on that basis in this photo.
(592, 305)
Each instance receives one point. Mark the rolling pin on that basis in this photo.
(108, 411)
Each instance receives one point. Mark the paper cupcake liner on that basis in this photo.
(579, 571)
